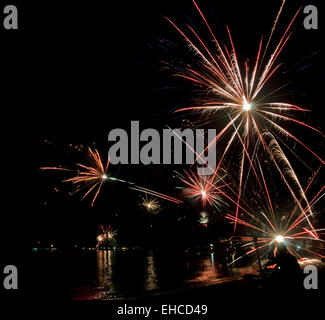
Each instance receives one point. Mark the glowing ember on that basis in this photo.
(279, 239)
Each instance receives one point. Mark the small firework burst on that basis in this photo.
(204, 188)
(150, 204)
(106, 237)
(204, 218)
(90, 177)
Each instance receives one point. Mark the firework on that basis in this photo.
(106, 237)
(237, 92)
(155, 194)
(93, 175)
(204, 218)
(90, 177)
(150, 204)
(204, 188)
(290, 228)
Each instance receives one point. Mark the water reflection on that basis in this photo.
(105, 270)
(135, 272)
(204, 268)
(207, 270)
(151, 277)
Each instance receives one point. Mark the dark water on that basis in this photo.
(108, 274)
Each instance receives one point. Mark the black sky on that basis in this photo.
(77, 69)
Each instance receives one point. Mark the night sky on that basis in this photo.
(75, 70)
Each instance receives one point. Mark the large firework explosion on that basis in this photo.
(237, 91)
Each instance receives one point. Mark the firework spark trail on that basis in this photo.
(56, 168)
(273, 28)
(268, 194)
(242, 97)
(240, 188)
(287, 133)
(303, 215)
(156, 194)
(102, 228)
(255, 173)
(241, 178)
(312, 179)
(278, 156)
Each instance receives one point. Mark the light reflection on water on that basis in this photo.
(108, 279)
(151, 276)
(105, 269)
(133, 273)
(208, 270)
